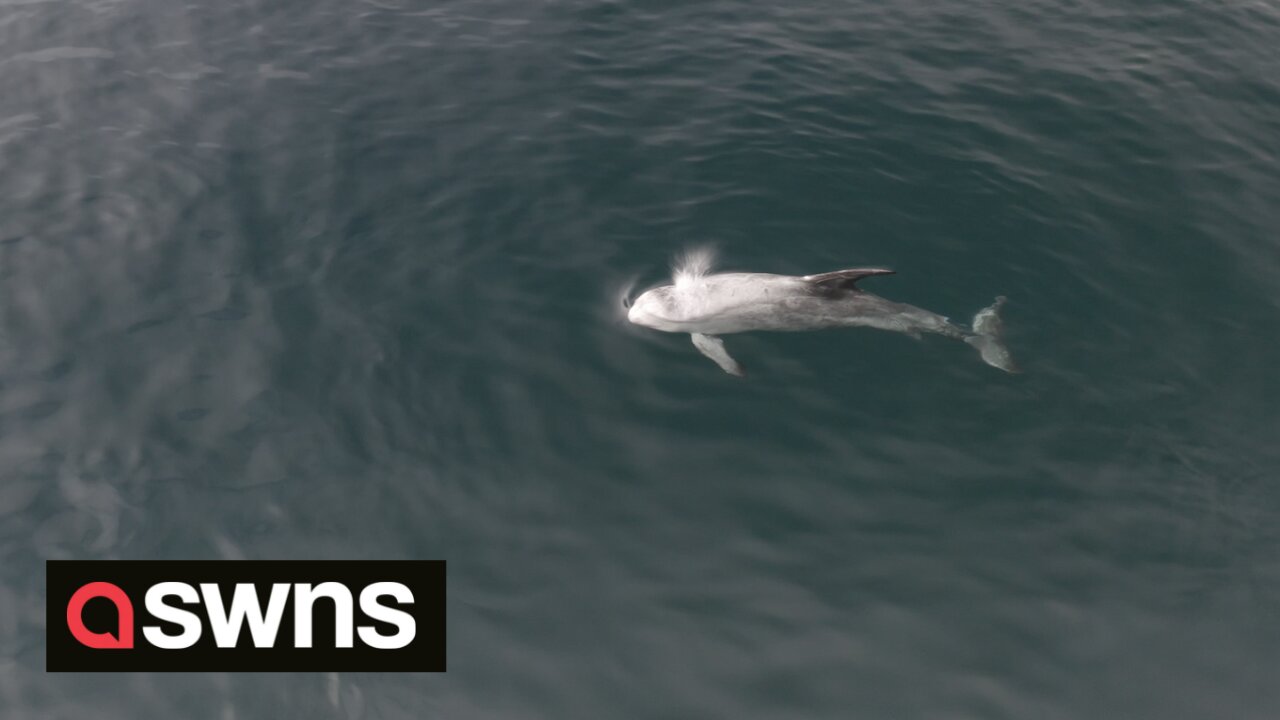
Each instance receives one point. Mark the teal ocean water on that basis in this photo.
(343, 280)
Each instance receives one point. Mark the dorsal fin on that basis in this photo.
(844, 278)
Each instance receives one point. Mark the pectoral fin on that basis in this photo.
(713, 347)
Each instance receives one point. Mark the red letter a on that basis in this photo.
(123, 639)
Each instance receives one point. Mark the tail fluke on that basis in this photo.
(988, 338)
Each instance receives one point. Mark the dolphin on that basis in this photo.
(707, 305)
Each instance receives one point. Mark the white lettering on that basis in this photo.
(244, 606)
(190, 622)
(406, 628)
(343, 614)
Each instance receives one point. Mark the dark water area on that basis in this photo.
(343, 280)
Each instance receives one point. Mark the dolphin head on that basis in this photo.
(655, 309)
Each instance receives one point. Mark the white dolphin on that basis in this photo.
(706, 305)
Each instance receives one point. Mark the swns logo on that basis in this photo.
(275, 615)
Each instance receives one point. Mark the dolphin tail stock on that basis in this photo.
(988, 338)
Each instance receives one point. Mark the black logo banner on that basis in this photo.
(250, 616)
